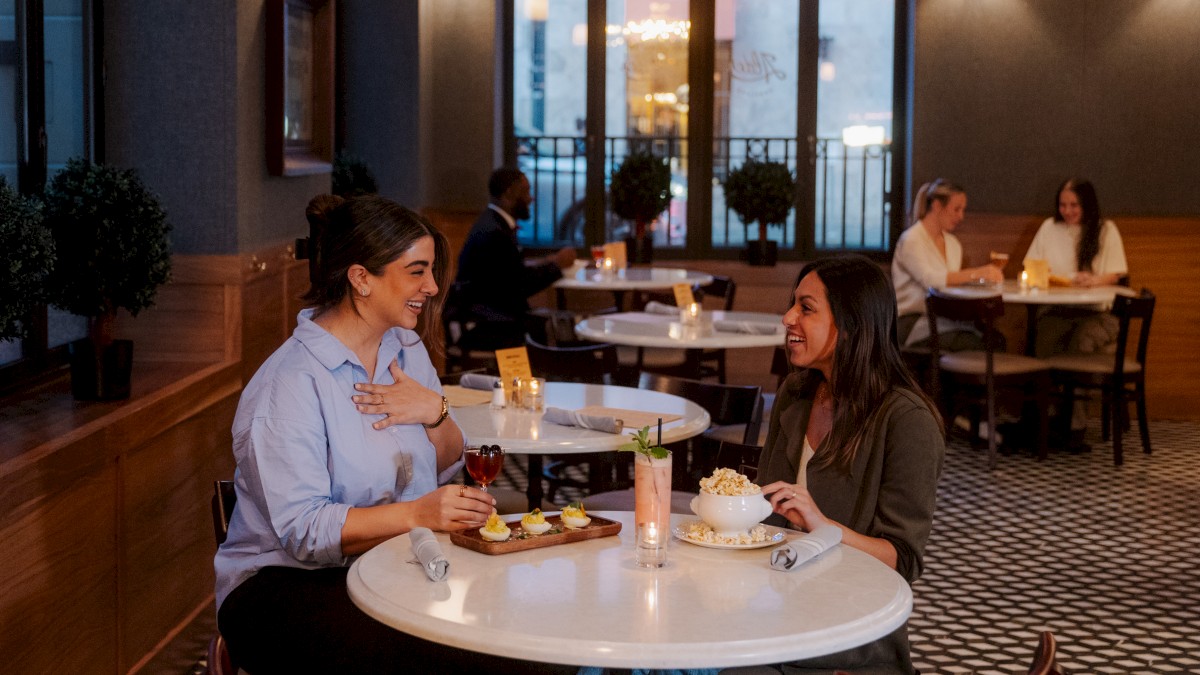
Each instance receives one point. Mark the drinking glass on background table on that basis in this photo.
(483, 463)
(998, 259)
(597, 256)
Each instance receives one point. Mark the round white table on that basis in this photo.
(587, 604)
(628, 279)
(524, 432)
(1098, 297)
(649, 329)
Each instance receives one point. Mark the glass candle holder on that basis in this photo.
(516, 393)
(533, 394)
(651, 548)
(608, 267)
(690, 315)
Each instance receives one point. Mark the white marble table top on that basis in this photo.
(647, 329)
(1055, 295)
(525, 432)
(586, 603)
(632, 279)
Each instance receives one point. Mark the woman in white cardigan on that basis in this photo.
(928, 254)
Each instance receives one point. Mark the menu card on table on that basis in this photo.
(513, 363)
(683, 294)
(616, 251)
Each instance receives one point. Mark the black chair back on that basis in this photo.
(223, 500)
(720, 287)
(739, 456)
(1126, 308)
(594, 363)
(725, 403)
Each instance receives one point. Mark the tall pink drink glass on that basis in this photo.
(652, 492)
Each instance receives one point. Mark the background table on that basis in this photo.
(523, 432)
(648, 329)
(628, 279)
(586, 603)
(1100, 297)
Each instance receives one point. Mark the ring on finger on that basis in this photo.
(462, 490)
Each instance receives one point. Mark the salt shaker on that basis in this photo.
(498, 399)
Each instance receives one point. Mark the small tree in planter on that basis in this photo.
(640, 191)
(26, 258)
(761, 192)
(113, 253)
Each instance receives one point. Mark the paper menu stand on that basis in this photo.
(683, 294)
(513, 363)
(1037, 273)
(616, 251)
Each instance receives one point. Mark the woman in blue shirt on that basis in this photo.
(321, 478)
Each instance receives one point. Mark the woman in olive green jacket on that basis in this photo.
(853, 441)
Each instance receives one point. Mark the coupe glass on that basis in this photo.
(483, 464)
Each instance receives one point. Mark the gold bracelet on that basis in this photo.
(441, 418)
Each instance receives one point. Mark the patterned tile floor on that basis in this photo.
(1102, 556)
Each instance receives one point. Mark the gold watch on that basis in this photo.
(441, 418)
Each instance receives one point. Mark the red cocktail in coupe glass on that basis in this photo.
(597, 256)
(483, 463)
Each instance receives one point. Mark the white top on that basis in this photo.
(917, 266)
(524, 432)
(647, 329)
(1057, 243)
(587, 604)
(633, 279)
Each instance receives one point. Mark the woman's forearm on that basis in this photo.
(447, 440)
(881, 549)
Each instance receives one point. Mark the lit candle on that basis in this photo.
(651, 534)
(1024, 281)
(694, 311)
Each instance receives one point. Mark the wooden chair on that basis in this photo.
(595, 363)
(976, 375)
(1119, 378)
(696, 457)
(1045, 657)
(223, 500)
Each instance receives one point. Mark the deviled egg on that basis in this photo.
(495, 529)
(574, 517)
(534, 522)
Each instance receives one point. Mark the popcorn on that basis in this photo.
(729, 483)
(700, 531)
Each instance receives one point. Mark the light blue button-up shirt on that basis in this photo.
(305, 455)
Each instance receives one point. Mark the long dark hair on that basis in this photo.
(866, 360)
(1089, 237)
(370, 231)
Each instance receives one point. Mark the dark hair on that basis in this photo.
(866, 358)
(1089, 236)
(502, 179)
(940, 189)
(370, 231)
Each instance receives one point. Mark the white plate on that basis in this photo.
(775, 535)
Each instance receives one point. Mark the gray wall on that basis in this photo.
(1013, 96)
(184, 99)
(381, 49)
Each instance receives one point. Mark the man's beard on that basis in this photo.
(520, 211)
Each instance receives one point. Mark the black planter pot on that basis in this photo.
(640, 250)
(100, 375)
(762, 253)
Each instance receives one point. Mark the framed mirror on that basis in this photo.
(300, 74)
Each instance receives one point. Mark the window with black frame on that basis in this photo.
(46, 81)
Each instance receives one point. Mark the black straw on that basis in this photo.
(659, 432)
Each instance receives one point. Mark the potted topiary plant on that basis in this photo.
(111, 237)
(640, 191)
(761, 192)
(352, 177)
(26, 258)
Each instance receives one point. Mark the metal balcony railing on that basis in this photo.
(851, 194)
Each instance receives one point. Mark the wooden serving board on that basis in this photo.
(599, 527)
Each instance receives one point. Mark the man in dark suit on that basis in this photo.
(494, 281)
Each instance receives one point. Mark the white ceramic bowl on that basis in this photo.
(731, 516)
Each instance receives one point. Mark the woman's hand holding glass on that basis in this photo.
(796, 504)
(405, 402)
(454, 507)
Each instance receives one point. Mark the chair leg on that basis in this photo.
(991, 416)
(1118, 401)
(1106, 417)
(1143, 421)
(721, 366)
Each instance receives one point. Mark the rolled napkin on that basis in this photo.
(656, 307)
(745, 327)
(802, 549)
(429, 553)
(477, 381)
(571, 418)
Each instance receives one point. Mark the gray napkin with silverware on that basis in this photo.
(745, 327)
(572, 418)
(429, 553)
(656, 307)
(478, 381)
(802, 549)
